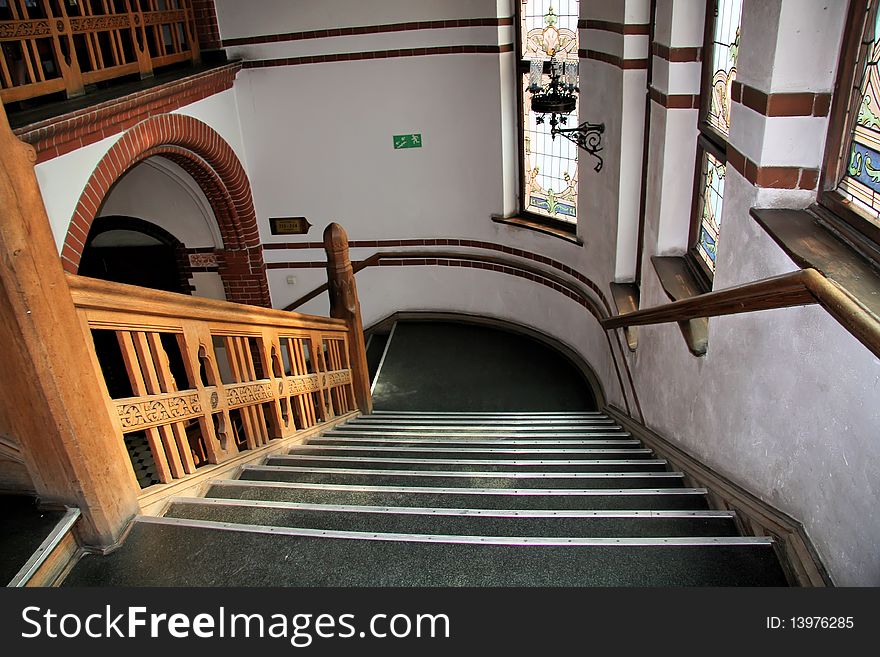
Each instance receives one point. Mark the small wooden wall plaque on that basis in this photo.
(289, 225)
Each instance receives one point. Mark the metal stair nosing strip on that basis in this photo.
(468, 450)
(478, 436)
(511, 462)
(463, 442)
(464, 474)
(492, 413)
(472, 540)
(548, 492)
(440, 511)
(488, 424)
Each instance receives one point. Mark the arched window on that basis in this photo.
(850, 185)
(720, 51)
(549, 167)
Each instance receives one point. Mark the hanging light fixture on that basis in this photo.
(558, 97)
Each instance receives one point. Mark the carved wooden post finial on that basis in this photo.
(344, 304)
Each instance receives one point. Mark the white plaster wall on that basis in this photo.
(784, 402)
(62, 180)
(385, 290)
(819, 24)
(257, 17)
(157, 191)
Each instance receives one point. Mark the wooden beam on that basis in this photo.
(52, 399)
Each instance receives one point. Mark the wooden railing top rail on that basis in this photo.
(799, 288)
(95, 294)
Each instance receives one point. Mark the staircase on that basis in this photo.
(432, 499)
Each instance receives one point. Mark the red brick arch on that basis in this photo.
(212, 163)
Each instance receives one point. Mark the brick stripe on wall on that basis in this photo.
(379, 54)
(614, 60)
(675, 101)
(611, 26)
(770, 176)
(368, 29)
(212, 163)
(781, 104)
(677, 55)
(66, 133)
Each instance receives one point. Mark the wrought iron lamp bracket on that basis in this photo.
(587, 136)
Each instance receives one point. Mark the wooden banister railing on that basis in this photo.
(799, 288)
(48, 46)
(200, 381)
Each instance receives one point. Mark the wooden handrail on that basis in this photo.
(56, 45)
(799, 288)
(777, 292)
(597, 308)
(202, 380)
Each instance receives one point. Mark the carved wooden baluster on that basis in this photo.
(68, 66)
(279, 408)
(189, 344)
(192, 39)
(305, 403)
(257, 408)
(168, 384)
(344, 305)
(139, 37)
(20, 13)
(130, 358)
(151, 379)
(320, 363)
(235, 356)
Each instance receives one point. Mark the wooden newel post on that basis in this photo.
(51, 401)
(344, 304)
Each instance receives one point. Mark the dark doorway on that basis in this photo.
(445, 366)
(133, 251)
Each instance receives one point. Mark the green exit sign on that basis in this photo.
(408, 141)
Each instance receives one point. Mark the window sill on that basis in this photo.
(810, 243)
(679, 283)
(530, 224)
(626, 299)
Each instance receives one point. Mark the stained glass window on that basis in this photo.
(722, 48)
(861, 182)
(550, 175)
(712, 186)
(725, 48)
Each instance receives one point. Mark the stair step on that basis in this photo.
(514, 452)
(453, 479)
(465, 522)
(479, 414)
(464, 465)
(487, 425)
(456, 435)
(478, 430)
(174, 552)
(491, 441)
(660, 498)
